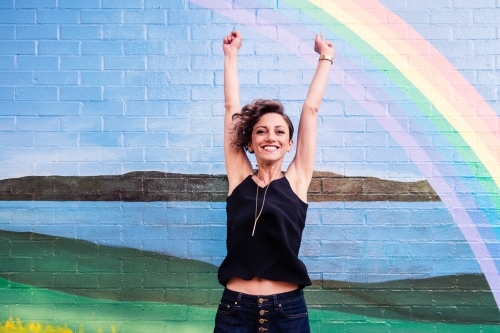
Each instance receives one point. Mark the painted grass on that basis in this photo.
(24, 309)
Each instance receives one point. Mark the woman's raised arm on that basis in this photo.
(237, 163)
(301, 169)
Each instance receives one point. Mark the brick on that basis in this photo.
(36, 4)
(102, 47)
(79, 4)
(81, 62)
(280, 77)
(206, 155)
(486, 16)
(29, 154)
(56, 78)
(36, 32)
(100, 16)
(181, 108)
(343, 124)
(7, 4)
(78, 155)
(170, 124)
(7, 32)
(140, 78)
(94, 139)
(8, 123)
(80, 32)
(455, 48)
(36, 94)
(166, 154)
(125, 124)
(168, 93)
(60, 139)
(167, 62)
(7, 94)
(16, 78)
(344, 154)
(475, 4)
(180, 139)
(145, 16)
(185, 17)
(101, 108)
(57, 16)
(145, 48)
(17, 48)
(486, 47)
(76, 124)
(122, 4)
(37, 62)
(190, 77)
(52, 168)
(146, 108)
(38, 124)
(80, 93)
(37, 108)
(167, 33)
(163, 4)
(122, 154)
(365, 140)
(17, 16)
(17, 139)
(101, 78)
(124, 62)
(58, 47)
(433, 32)
(124, 93)
(453, 16)
(123, 32)
(136, 139)
(187, 47)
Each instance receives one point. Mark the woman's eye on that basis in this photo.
(280, 132)
(260, 132)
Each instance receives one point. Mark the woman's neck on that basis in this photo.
(266, 174)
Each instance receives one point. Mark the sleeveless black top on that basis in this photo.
(272, 253)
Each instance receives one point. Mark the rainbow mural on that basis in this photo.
(447, 112)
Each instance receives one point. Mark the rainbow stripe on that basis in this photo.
(446, 111)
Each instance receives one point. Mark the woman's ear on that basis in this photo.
(249, 147)
(290, 146)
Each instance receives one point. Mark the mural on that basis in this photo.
(112, 186)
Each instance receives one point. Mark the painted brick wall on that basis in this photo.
(111, 162)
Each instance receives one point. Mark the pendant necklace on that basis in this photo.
(261, 208)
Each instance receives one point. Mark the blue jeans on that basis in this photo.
(242, 313)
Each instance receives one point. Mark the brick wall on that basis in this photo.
(112, 171)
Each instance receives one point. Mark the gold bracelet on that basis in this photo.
(326, 57)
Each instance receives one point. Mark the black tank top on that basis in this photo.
(272, 253)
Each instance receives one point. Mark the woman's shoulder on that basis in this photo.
(237, 183)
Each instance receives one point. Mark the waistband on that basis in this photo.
(285, 297)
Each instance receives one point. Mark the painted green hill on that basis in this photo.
(127, 275)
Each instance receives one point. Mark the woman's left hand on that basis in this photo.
(323, 46)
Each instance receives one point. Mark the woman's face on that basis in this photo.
(270, 138)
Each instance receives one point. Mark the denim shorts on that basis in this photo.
(241, 313)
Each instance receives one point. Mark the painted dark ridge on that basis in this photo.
(158, 186)
(122, 274)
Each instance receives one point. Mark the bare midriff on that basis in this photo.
(259, 286)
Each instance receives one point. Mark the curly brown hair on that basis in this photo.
(250, 114)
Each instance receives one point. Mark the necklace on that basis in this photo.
(261, 208)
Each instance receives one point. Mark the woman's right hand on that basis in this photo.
(232, 43)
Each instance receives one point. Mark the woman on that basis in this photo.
(266, 208)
